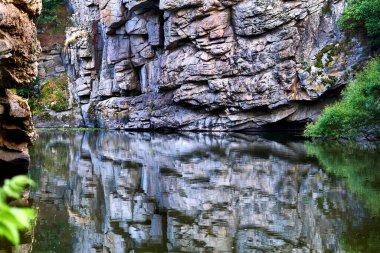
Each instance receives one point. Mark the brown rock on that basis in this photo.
(20, 40)
(19, 53)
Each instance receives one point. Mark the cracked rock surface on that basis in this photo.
(19, 52)
(206, 65)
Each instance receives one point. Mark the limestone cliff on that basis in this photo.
(19, 50)
(206, 64)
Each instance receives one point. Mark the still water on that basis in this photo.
(142, 192)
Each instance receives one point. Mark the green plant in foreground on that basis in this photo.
(14, 219)
(358, 113)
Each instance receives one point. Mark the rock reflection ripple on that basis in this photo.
(150, 192)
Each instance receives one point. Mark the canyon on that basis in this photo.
(211, 66)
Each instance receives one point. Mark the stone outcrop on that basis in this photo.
(19, 52)
(51, 67)
(50, 64)
(206, 64)
(149, 192)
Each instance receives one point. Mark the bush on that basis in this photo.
(362, 16)
(49, 12)
(29, 91)
(53, 96)
(359, 111)
(14, 219)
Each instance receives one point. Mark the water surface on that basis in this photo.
(142, 192)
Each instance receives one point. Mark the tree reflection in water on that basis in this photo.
(359, 166)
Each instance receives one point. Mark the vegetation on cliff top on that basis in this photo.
(362, 16)
(52, 23)
(49, 12)
(358, 113)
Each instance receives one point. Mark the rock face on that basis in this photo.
(50, 64)
(51, 67)
(19, 51)
(206, 65)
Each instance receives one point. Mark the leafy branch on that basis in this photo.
(14, 219)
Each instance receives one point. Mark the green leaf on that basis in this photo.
(10, 231)
(13, 219)
(11, 192)
(22, 181)
(24, 216)
(9, 217)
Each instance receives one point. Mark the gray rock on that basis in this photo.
(214, 64)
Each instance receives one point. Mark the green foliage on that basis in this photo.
(14, 219)
(53, 96)
(358, 113)
(29, 91)
(49, 12)
(362, 16)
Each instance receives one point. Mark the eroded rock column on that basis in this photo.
(19, 51)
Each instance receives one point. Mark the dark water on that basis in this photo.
(141, 192)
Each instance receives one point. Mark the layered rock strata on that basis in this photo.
(206, 65)
(19, 50)
(50, 64)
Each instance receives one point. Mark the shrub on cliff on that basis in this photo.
(53, 95)
(358, 113)
(362, 16)
(52, 23)
(49, 12)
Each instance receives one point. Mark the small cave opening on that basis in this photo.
(162, 28)
(139, 89)
(13, 168)
(285, 126)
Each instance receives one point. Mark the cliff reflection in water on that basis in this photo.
(142, 192)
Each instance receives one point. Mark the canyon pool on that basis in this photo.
(113, 191)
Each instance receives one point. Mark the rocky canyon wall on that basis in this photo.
(19, 50)
(206, 65)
